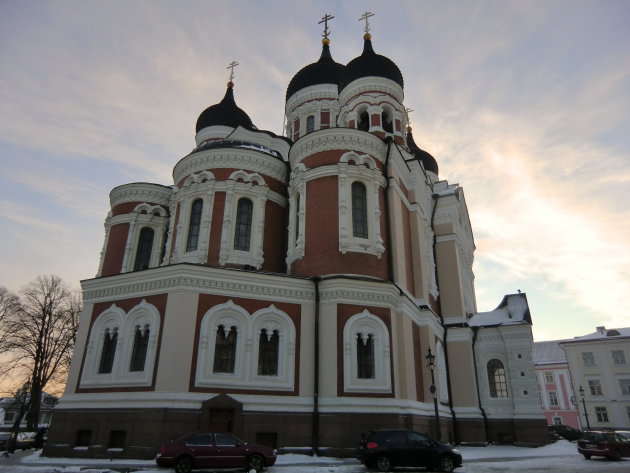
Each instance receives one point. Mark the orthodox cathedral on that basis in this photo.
(296, 290)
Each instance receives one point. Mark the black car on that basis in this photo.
(388, 449)
(604, 444)
(565, 431)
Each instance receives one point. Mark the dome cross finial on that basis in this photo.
(232, 65)
(324, 20)
(366, 17)
(407, 112)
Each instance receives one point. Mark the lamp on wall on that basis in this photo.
(430, 357)
(581, 390)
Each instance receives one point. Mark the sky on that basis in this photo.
(524, 104)
(560, 457)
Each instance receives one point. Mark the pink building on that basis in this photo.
(557, 398)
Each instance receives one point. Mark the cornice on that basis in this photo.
(140, 192)
(342, 139)
(250, 160)
(197, 278)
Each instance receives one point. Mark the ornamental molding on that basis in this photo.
(341, 139)
(187, 277)
(311, 93)
(370, 85)
(248, 159)
(140, 192)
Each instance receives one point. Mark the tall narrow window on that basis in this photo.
(310, 124)
(496, 379)
(109, 350)
(387, 122)
(140, 344)
(553, 399)
(145, 245)
(243, 231)
(364, 121)
(595, 386)
(195, 225)
(602, 414)
(619, 357)
(268, 352)
(225, 350)
(365, 356)
(359, 210)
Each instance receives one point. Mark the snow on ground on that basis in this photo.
(559, 457)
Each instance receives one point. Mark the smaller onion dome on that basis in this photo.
(324, 71)
(428, 161)
(370, 64)
(225, 113)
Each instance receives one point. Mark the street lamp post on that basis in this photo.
(581, 390)
(430, 357)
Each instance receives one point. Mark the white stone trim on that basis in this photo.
(116, 318)
(245, 374)
(366, 322)
(297, 192)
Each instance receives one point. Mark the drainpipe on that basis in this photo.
(483, 412)
(315, 432)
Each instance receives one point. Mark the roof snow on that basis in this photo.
(513, 310)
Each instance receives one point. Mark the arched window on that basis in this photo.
(365, 356)
(243, 230)
(359, 210)
(310, 124)
(109, 350)
(496, 379)
(145, 245)
(140, 344)
(364, 121)
(195, 225)
(268, 352)
(225, 350)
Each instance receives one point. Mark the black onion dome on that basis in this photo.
(370, 64)
(225, 113)
(324, 71)
(427, 160)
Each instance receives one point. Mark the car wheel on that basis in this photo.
(383, 463)
(255, 462)
(616, 455)
(183, 465)
(446, 464)
(587, 456)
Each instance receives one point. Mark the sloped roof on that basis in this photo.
(513, 310)
(549, 352)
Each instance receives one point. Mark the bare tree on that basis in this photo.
(9, 305)
(41, 336)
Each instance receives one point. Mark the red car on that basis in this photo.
(213, 450)
(604, 444)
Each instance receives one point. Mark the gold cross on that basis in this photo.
(325, 19)
(232, 65)
(365, 17)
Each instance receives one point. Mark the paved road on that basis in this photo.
(558, 464)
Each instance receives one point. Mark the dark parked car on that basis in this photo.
(565, 431)
(213, 450)
(385, 450)
(604, 444)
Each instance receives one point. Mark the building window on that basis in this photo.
(553, 399)
(9, 417)
(359, 210)
(145, 245)
(268, 352)
(83, 438)
(310, 124)
(496, 379)
(140, 344)
(195, 225)
(364, 121)
(624, 386)
(595, 387)
(109, 350)
(548, 377)
(602, 414)
(243, 231)
(225, 350)
(365, 356)
(557, 420)
(619, 357)
(117, 439)
(588, 358)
